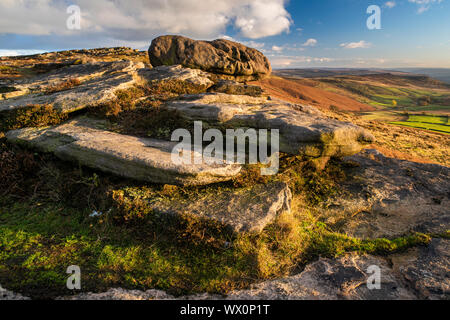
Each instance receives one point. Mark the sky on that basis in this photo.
(295, 33)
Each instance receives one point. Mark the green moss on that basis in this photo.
(315, 185)
(38, 243)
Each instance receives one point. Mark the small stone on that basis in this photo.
(242, 210)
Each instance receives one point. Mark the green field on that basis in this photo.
(434, 123)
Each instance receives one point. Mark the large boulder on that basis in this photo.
(220, 56)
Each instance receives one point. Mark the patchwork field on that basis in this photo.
(433, 123)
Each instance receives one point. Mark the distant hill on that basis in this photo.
(327, 72)
(360, 90)
(440, 74)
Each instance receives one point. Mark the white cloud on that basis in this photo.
(277, 48)
(310, 43)
(281, 61)
(356, 45)
(25, 52)
(253, 44)
(224, 36)
(390, 4)
(136, 20)
(424, 5)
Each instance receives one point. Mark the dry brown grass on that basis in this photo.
(305, 92)
(403, 143)
(63, 86)
(15, 167)
(409, 144)
(30, 116)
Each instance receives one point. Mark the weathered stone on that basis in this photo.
(9, 295)
(249, 209)
(386, 197)
(236, 88)
(99, 81)
(426, 269)
(218, 56)
(332, 279)
(304, 130)
(84, 141)
(122, 294)
(194, 77)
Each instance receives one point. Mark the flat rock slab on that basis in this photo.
(417, 274)
(98, 80)
(304, 130)
(194, 77)
(386, 197)
(85, 141)
(242, 210)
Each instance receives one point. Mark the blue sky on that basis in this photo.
(296, 33)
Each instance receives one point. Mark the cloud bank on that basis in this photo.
(139, 20)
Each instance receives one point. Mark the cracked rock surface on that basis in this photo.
(386, 197)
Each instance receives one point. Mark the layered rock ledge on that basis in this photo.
(96, 83)
(304, 130)
(84, 141)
